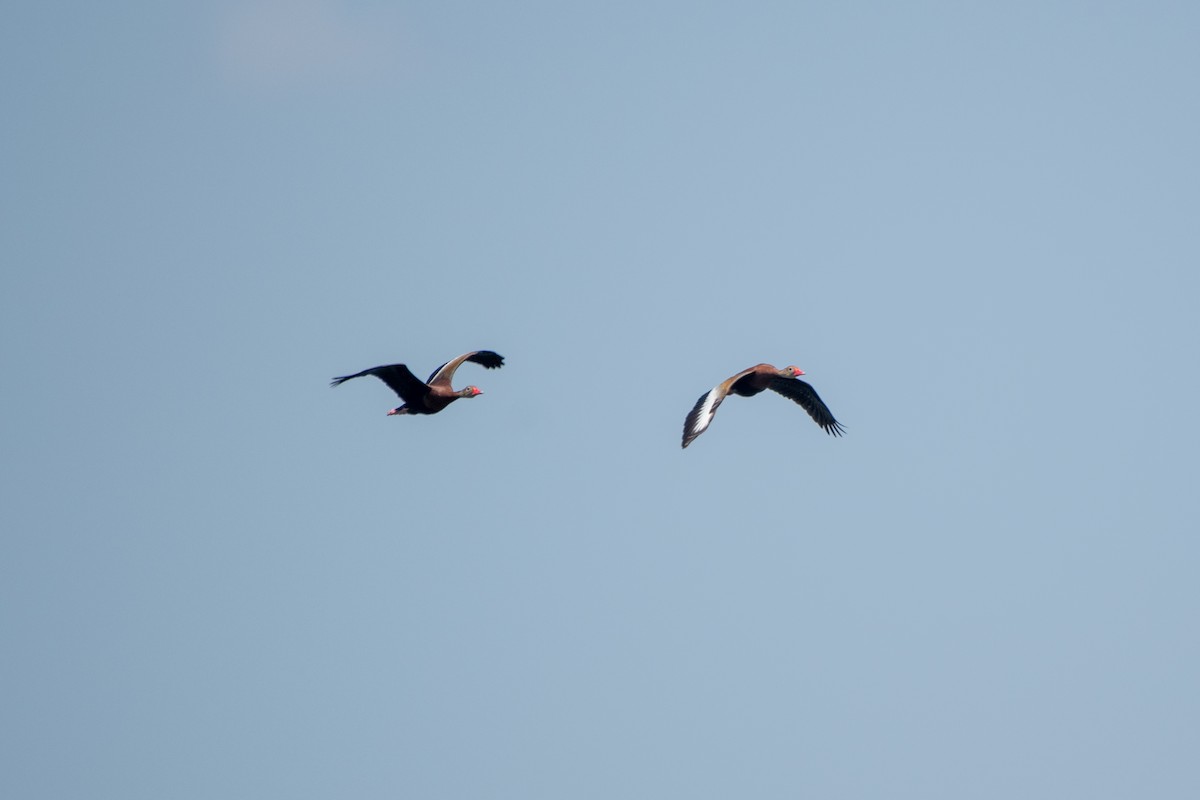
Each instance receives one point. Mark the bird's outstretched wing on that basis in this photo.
(445, 373)
(398, 378)
(701, 415)
(807, 398)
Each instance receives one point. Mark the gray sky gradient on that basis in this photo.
(974, 228)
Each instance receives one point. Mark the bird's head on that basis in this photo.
(471, 391)
(792, 372)
(395, 411)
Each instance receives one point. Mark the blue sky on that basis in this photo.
(973, 227)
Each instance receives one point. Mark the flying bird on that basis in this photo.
(434, 394)
(750, 382)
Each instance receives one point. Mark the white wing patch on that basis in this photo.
(701, 415)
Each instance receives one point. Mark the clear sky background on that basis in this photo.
(975, 226)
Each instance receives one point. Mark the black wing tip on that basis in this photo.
(488, 359)
(834, 428)
(340, 380)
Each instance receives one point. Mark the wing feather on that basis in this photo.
(701, 415)
(399, 379)
(485, 358)
(804, 395)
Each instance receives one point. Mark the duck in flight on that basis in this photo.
(750, 382)
(434, 394)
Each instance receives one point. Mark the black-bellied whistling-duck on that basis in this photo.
(750, 382)
(431, 396)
